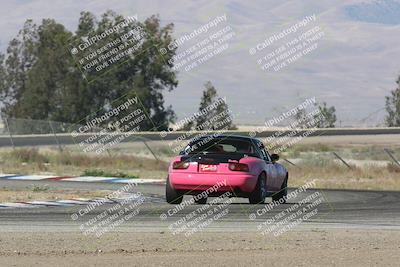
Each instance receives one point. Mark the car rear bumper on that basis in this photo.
(221, 182)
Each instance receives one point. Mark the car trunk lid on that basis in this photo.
(209, 163)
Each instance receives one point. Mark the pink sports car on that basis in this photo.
(237, 164)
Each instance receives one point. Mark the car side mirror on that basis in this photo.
(274, 157)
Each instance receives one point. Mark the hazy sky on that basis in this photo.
(354, 65)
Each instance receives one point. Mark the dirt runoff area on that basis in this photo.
(296, 248)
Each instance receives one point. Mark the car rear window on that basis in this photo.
(220, 146)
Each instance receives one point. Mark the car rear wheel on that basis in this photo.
(281, 195)
(172, 196)
(260, 191)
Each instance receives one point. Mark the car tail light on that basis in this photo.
(180, 165)
(240, 167)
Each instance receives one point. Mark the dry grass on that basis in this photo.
(332, 174)
(315, 161)
(32, 160)
(8, 195)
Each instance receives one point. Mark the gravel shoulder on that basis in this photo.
(298, 248)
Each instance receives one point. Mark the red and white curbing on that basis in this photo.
(70, 202)
(81, 179)
(74, 202)
(50, 203)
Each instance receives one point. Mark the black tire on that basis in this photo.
(260, 192)
(201, 201)
(172, 196)
(281, 195)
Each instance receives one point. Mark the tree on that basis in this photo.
(47, 80)
(214, 113)
(42, 80)
(392, 106)
(326, 118)
(145, 73)
(15, 66)
(3, 75)
(300, 119)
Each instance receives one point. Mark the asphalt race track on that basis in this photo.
(340, 209)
